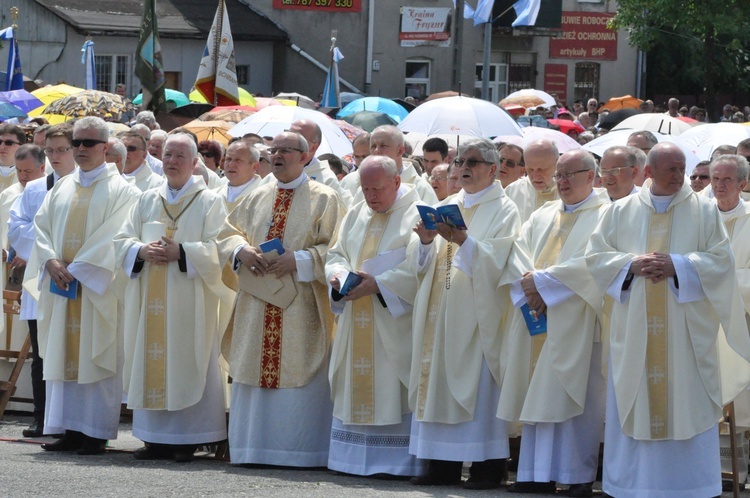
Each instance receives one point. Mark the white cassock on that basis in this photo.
(371, 354)
(156, 165)
(561, 403)
(88, 402)
(186, 404)
(408, 176)
(527, 198)
(320, 171)
(144, 178)
(19, 329)
(457, 359)
(281, 407)
(233, 195)
(671, 366)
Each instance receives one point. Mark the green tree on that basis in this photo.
(713, 36)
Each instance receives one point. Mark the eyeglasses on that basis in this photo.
(568, 176)
(87, 142)
(509, 162)
(437, 178)
(264, 159)
(695, 177)
(133, 148)
(9, 143)
(613, 171)
(283, 150)
(206, 153)
(60, 151)
(469, 162)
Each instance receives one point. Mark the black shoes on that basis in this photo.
(489, 474)
(181, 453)
(184, 453)
(583, 490)
(79, 442)
(538, 488)
(34, 430)
(440, 473)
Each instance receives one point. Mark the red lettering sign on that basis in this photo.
(320, 5)
(556, 81)
(584, 36)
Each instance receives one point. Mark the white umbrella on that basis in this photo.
(302, 100)
(657, 123)
(270, 121)
(703, 139)
(460, 116)
(620, 137)
(528, 96)
(532, 133)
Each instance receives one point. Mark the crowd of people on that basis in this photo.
(566, 298)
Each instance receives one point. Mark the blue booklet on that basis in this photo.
(536, 323)
(71, 292)
(351, 282)
(272, 244)
(449, 214)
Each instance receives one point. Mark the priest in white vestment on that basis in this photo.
(619, 169)
(360, 151)
(11, 138)
(278, 352)
(729, 175)
(167, 247)
(371, 354)
(59, 153)
(664, 257)
(78, 337)
(459, 329)
(136, 168)
(241, 165)
(537, 187)
(553, 383)
(387, 140)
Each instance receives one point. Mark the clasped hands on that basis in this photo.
(366, 287)
(654, 266)
(443, 229)
(533, 298)
(253, 259)
(160, 252)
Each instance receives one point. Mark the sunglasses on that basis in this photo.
(9, 143)
(206, 153)
(87, 142)
(132, 148)
(702, 177)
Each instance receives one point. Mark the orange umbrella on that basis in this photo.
(233, 114)
(617, 103)
(210, 130)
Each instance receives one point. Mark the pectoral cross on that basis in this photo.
(362, 366)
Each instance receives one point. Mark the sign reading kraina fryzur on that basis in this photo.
(584, 36)
(425, 26)
(556, 80)
(320, 5)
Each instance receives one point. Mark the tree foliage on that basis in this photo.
(708, 39)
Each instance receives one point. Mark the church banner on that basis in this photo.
(584, 36)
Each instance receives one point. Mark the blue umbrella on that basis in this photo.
(21, 99)
(8, 110)
(374, 104)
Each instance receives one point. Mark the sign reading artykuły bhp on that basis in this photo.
(320, 5)
(584, 35)
(425, 26)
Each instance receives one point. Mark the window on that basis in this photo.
(498, 82)
(520, 76)
(587, 81)
(111, 70)
(243, 75)
(417, 79)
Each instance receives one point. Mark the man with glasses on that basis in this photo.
(59, 152)
(278, 349)
(11, 138)
(137, 170)
(457, 359)
(672, 279)
(560, 402)
(145, 131)
(700, 178)
(618, 170)
(439, 181)
(512, 167)
(78, 334)
(538, 187)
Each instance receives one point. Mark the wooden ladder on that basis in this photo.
(12, 306)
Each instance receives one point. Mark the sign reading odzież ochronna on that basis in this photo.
(584, 35)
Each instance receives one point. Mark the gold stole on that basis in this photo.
(75, 231)
(729, 225)
(543, 197)
(433, 310)
(363, 361)
(6, 181)
(155, 340)
(659, 230)
(548, 257)
(228, 276)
